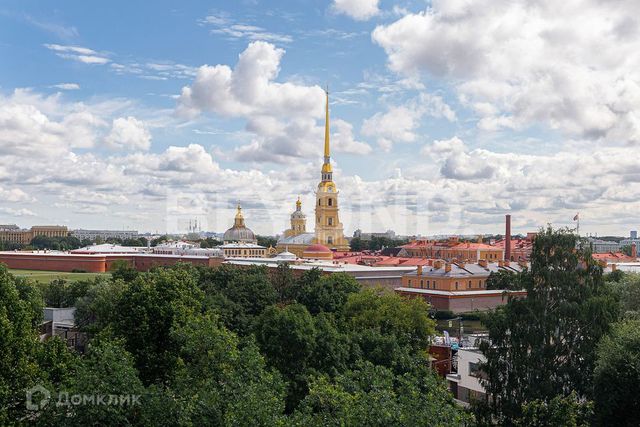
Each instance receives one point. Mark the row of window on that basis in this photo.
(329, 220)
(433, 284)
(244, 252)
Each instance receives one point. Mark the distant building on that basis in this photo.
(14, 234)
(239, 232)
(633, 238)
(243, 250)
(452, 249)
(93, 235)
(459, 287)
(603, 246)
(389, 234)
(186, 248)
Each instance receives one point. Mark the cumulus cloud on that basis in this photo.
(17, 212)
(572, 66)
(360, 10)
(281, 117)
(399, 123)
(129, 133)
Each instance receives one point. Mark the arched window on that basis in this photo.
(330, 240)
(330, 220)
(319, 202)
(330, 201)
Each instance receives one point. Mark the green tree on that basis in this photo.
(18, 347)
(561, 411)
(267, 241)
(357, 244)
(221, 382)
(98, 308)
(150, 307)
(504, 279)
(374, 396)
(388, 328)
(107, 369)
(617, 376)
(122, 269)
(627, 290)
(286, 336)
(320, 292)
(544, 346)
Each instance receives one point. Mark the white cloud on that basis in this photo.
(67, 86)
(281, 117)
(17, 212)
(342, 140)
(572, 66)
(224, 25)
(129, 133)
(360, 10)
(78, 53)
(399, 123)
(15, 195)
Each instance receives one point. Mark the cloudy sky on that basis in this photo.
(445, 114)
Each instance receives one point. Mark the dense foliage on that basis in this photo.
(542, 349)
(374, 244)
(223, 346)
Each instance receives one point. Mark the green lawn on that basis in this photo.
(47, 276)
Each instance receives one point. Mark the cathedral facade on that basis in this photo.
(329, 231)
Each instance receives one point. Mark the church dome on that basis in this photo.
(239, 232)
(317, 251)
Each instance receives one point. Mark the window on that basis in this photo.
(318, 220)
(456, 286)
(330, 220)
(469, 286)
(427, 284)
(330, 201)
(330, 240)
(319, 202)
(421, 283)
(474, 370)
(434, 284)
(409, 282)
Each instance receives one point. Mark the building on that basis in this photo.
(459, 287)
(94, 235)
(186, 248)
(389, 234)
(97, 263)
(14, 234)
(599, 246)
(464, 379)
(451, 250)
(244, 250)
(633, 238)
(239, 233)
(329, 231)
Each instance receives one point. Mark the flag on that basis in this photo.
(577, 217)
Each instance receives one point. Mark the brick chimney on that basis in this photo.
(419, 270)
(634, 251)
(507, 237)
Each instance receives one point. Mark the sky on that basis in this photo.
(445, 115)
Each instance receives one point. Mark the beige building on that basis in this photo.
(329, 231)
(14, 234)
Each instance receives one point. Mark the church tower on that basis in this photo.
(298, 221)
(329, 230)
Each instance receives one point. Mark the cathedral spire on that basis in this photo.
(326, 165)
(327, 153)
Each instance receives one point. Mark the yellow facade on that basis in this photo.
(298, 221)
(329, 229)
(21, 236)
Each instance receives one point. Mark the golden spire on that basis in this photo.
(298, 204)
(327, 153)
(326, 165)
(239, 219)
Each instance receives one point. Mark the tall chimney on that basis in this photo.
(634, 251)
(507, 238)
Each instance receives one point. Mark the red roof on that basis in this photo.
(617, 256)
(317, 248)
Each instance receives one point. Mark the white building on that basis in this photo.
(603, 246)
(186, 248)
(464, 381)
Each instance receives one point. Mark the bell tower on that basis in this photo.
(298, 221)
(329, 229)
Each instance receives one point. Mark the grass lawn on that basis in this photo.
(47, 276)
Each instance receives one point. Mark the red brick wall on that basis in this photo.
(26, 261)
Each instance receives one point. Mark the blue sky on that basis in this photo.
(445, 115)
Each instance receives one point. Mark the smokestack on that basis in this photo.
(507, 238)
(634, 251)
